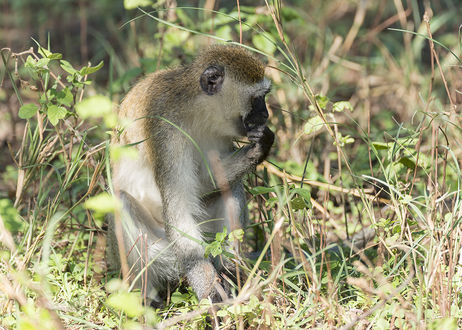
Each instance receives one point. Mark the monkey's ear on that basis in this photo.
(212, 79)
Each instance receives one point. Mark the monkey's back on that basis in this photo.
(135, 175)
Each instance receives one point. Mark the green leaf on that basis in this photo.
(406, 199)
(176, 37)
(408, 162)
(303, 201)
(67, 67)
(224, 32)
(271, 202)
(407, 141)
(313, 125)
(46, 53)
(341, 106)
(215, 248)
(110, 120)
(94, 107)
(33, 315)
(103, 203)
(261, 190)
(65, 97)
(56, 113)
(322, 101)
(264, 42)
(11, 218)
(345, 139)
(30, 62)
(127, 302)
(37, 66)
(28, 110)
(115, 285)
(178, 297)
(133, 4)
(298, 203)
(55, 56)
(380, 145)
(305, 193)
(222, 313)
(49, 96)
(90, 69)
(42, 63)
(221, 236)
(444, 323)
(236, 235)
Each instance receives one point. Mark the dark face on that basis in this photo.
(258, 114)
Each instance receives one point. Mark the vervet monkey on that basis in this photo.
(178, 117)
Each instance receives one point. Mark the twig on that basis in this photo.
(357, 22)
(432, 48)
(355, 192)
(240, 21)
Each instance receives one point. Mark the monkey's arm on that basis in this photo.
(246, 159)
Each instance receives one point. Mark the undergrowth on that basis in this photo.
(355, 216)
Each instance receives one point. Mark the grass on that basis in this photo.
(368, 142)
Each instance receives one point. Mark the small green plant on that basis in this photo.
(217, 246)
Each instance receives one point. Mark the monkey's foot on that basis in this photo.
(205, 282)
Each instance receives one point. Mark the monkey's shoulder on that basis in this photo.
(170, 87)
(158, 93)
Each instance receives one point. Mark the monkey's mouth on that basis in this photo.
(250, 123)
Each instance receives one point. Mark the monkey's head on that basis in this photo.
(232, 82)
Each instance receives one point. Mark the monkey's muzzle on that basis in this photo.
(258, 115)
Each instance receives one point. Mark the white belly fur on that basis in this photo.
(137, 179)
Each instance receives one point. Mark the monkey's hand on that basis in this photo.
(262, 138)
(239, 163)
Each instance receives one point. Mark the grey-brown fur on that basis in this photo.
(168, 109)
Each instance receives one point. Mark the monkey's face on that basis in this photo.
(238, 107)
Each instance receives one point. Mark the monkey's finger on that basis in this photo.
(268, 136)
(255, 137)
(255, 134)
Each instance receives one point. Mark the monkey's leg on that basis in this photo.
(227, 209)
(176, 176)
(151, 263)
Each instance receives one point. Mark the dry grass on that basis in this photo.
(390, 167)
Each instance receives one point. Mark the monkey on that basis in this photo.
(176, 118)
